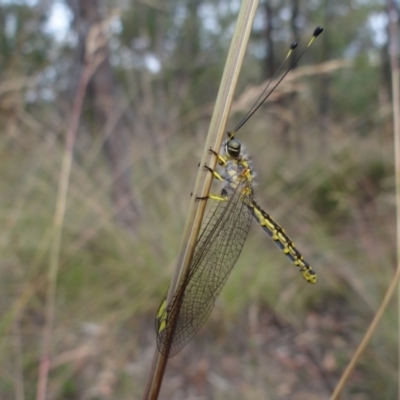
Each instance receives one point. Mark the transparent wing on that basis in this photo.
(219, 245)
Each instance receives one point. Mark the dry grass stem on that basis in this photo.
(204, 178)
(93, 59)
(393, 17)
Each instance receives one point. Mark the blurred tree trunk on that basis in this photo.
(102, 95)
(293, 20)
(385, 87)
(269, 67)
(284, 136)
(291, 100)
(325, 80)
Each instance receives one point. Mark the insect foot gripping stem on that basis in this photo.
(222, 236)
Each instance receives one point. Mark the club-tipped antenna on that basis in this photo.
(292, 47)
(317, 31)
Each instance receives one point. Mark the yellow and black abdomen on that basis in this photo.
(279, 236)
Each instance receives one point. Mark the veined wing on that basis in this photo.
(218, 247)
(278, 235)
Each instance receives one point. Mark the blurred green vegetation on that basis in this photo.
(323, 151)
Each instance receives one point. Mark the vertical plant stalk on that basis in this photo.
(204, 178)
(92, 61)
(18, 366)
(394, 53)
(394, 64)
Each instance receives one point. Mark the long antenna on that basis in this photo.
(250, 112)
(317, 31)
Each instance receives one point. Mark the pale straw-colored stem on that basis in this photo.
(396, 131)
(204, 178)
(92, 62)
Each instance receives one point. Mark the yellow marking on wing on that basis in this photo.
(161, 316)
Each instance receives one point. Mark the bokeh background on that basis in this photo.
(323, 150)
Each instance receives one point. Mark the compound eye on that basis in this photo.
(234, 147)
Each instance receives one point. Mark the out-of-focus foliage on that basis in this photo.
(322, 148)
(22, 38)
